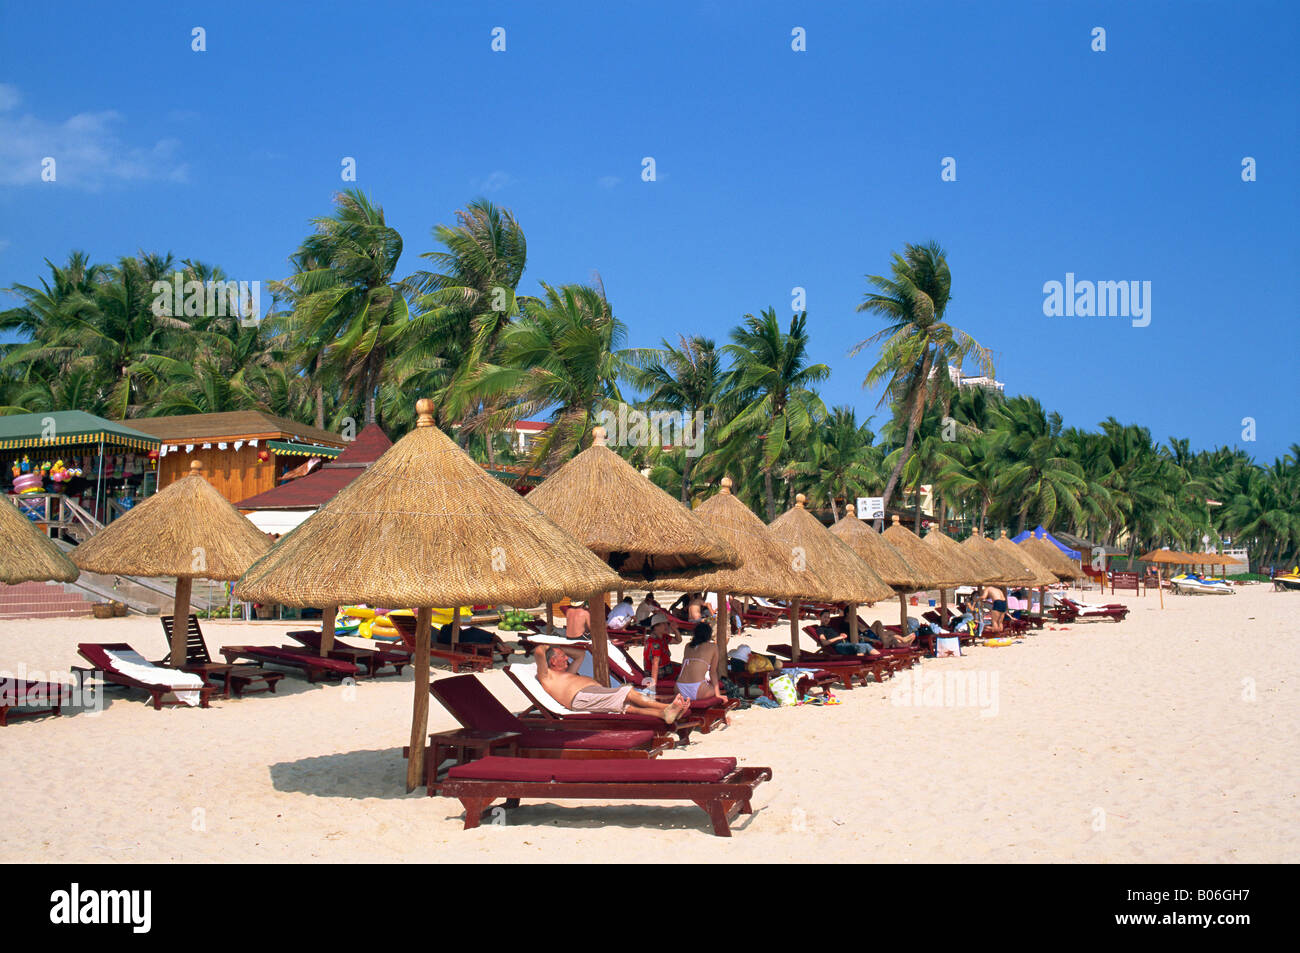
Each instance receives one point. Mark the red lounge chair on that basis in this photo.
(820, 680)
(97, 655)
(199, 661)
(711, 711)
(882, 666)
(714, 784)
(1114, 611)
(844, 668)
(372, 659)
(48, 694)
(313, 666)
(476, 658)
(545, 711)
(477, 709)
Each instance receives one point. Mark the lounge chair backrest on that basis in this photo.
(471, 704)
(196, 648)
(307, 637)
(525, 676)
(631, 672)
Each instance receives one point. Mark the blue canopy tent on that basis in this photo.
(1044, 534)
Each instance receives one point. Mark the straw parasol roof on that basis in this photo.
(1052, 558)
(975, 570)
(767, 569)
(846, 577)
(424, 527)
(935, 571)
(27, 554)
(872, 549)
(604, 503)
(1042, 575)
(188, 530)
(1010, 571)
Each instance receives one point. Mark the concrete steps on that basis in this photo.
(42, 600)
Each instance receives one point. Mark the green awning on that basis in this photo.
(61, 428)
(284, 448)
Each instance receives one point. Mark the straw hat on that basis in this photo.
(872, 549)
(601, 500)
(1051, 557)
(936, 572)
(424, 526)
(27, 554)
(1010, 572)
(846, 577)
(186, 530)
(768, 569)
(1042, 576)
(975, 571)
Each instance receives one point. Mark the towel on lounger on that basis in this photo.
(134, 665)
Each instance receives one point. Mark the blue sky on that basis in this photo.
(775, 169)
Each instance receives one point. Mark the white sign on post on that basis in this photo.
(871, 507)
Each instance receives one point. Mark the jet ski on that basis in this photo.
(1190, 582)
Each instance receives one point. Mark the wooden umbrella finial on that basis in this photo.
(895, 519)
(196, 467)
(599, 437)
(726, 485)
(800, 500)
(424, 412)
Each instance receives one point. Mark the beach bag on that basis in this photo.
(783, 691)
(759, 663)
(947, 645)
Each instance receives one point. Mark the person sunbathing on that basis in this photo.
(557, 670)
(829, 635)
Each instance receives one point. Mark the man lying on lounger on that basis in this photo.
(557, 670)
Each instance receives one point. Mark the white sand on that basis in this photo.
(1169, 737)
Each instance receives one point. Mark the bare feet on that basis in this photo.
(675, 709)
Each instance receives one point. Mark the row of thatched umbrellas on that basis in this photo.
(425, 527)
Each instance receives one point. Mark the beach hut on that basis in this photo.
(768, 570)
(846, 578)
(187, 531)
(644, 534)
(424, 527)
(27, 554)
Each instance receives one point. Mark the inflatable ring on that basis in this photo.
(998, 643)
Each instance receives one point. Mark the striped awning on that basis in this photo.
(90, 440)
(286, 449)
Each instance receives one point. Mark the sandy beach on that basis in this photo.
(1170, 737)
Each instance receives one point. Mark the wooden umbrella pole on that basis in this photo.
(902, 605)
(455, 627)
(792, 612)
(724, 623)
(327, 630)
(599, 641)
(550, 615)
(181, 619)
(1160, 585)
(420, 711)
(853, 622)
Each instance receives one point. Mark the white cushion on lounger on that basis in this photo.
(132, 664)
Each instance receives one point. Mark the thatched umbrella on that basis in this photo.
(977, 570)
(768, 569)
(425, 527)
(936, 571)
(187, 531)
(1008, 571)
(1051, 557)
(1165, 557)
(27, 554)
(846, 577)
(604, 503)
(1042, 576)
(888, 562)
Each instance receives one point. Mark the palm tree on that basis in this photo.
(770, 385)
(842, 460)
(344, 297)
(564, 354)
(687, 379)
(916, 346)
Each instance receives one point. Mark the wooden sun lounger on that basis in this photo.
(51, 694)
(476, 658)
(545, 710)
(313, 666)
(372, 659)
(1114, 611)
(821, 680)
(715, 785)
(711, 711)
(198, 660)
(477, 709)
(843, 668)
(97, 655)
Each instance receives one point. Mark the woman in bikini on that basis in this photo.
(698, 679)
